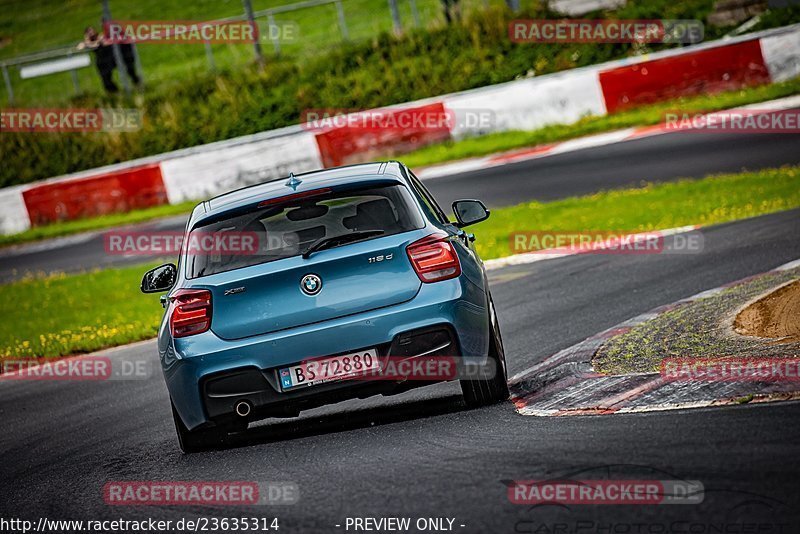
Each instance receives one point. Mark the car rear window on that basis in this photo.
(288, 228)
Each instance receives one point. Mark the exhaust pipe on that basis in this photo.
(243, 408)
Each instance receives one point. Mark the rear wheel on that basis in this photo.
(493, 388)
(196, 440)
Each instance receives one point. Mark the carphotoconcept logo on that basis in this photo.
(561, 503)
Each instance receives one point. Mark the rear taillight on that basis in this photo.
(191, 312)
(434, 258)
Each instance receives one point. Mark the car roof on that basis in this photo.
(363, 172)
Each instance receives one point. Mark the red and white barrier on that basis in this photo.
(77, 198)
(562, 98)
(13, 212)
(221, 168)
(713, 70)
(782, 55)
(373, 134)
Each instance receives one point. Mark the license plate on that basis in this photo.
(330, 369)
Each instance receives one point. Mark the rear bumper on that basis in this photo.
(456, 304)
(261, 390)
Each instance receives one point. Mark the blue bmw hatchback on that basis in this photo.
(351, 266)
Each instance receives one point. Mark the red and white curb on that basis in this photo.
(566, 384)
(590, 141)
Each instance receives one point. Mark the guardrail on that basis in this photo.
(37, 57)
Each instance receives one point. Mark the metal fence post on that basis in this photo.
(137, 63)
(276, 43)
(75, 84)
(123, 75)
(210, 56)
(248, 9)
(415, 13)
(74, 75)
(9, 87)
(398, 26)
(342, 20)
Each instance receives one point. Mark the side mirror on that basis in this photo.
(469, 212)
(162, 278)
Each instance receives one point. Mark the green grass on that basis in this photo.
(184, 104)
(477, 146)
(96, 223)
(36, 25)
(712, 200)
(27, 27)
(61, 314)
(642, 116)
(67, 314)
(700, 329)
(744, 400)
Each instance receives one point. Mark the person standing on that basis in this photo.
(451, 10)
(103, 49)
(129, 60)
(103, 57)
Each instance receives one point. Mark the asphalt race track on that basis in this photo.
(653, 159)
(422, 454)
(656, 159)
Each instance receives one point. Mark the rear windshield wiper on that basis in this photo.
(337, 240)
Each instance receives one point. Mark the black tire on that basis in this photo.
(191, 441)
(487, 391)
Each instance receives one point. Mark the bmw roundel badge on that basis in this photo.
(311, 284)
